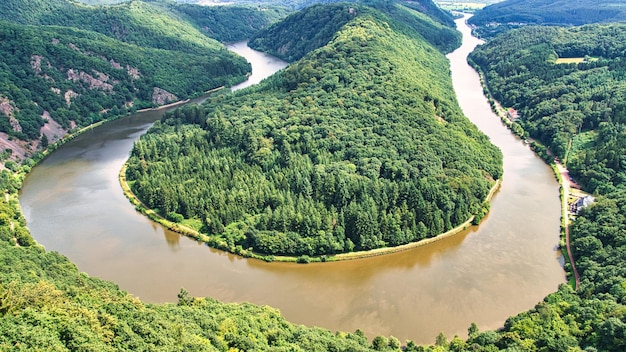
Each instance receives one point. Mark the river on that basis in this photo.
(74, 205)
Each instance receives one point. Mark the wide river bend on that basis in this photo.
(74, 205)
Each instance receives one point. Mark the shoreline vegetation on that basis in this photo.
(304, 259)
(559, 170)
(68, 137)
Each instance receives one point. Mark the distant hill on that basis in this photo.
(136, 22)
(307, 30)
(229, 23)
(509, 14)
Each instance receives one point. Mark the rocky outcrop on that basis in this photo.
(162, 97)
(94, 83)
(133, 72)
(7, 107)
(52, 129)
(69, 95)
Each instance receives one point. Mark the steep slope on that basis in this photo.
(317, 26)
(510, 14)
(55, 79)
(148, 24)
(358, 145)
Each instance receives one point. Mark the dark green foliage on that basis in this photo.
(358, 145)
(576, 110)
(316, 26)
(229, 23)
(42, 65)
(510, 14)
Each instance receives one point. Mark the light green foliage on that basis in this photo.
(358, 145)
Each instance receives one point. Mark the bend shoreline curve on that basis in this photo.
(222, 245)
(560, 174)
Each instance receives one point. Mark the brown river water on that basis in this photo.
(74, 205)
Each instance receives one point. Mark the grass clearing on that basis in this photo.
(575, 60)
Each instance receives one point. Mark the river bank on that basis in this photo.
(561, 173)
(220, 244)
(73, 205)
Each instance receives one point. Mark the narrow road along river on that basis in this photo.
(74, 204)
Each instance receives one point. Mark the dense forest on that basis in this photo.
(156, 24)
(568, 86)
(317, 26)
(76, 78)
(505, 15)
(358, 145)
(67, 65)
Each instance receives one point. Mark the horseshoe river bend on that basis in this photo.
(74, 204)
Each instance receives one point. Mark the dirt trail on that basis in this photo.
(566, 183)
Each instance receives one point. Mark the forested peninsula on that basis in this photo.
(358, 145)
(567, 86)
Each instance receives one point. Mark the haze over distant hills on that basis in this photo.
(509, 14)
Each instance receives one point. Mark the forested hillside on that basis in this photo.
(317, 26)
(568, 86)
(510, 14)
(59, 74)
(358, 145)
(147, 24)
(229, 23)
(62, 78)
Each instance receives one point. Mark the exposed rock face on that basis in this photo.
(162, 97)
(114, 64)
(52, 129)
(69, 95)
(93, 82)
(35, 63)
(7, 107)
(20, 148)
(133, 72)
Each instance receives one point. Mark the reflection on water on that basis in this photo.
(73, 204)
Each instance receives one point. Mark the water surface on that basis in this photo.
(74, 205)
